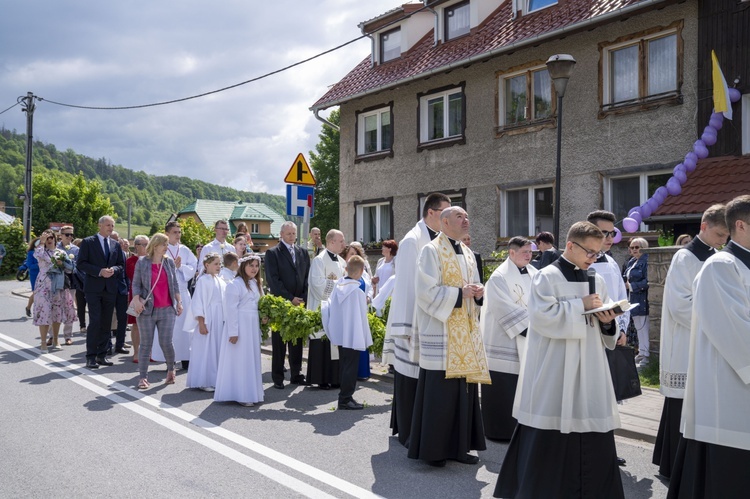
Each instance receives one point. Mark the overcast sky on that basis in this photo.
(112, 53)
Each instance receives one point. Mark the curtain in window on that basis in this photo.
(542, 94)
(385, 221)
(371, 133)
(458, 21)
(391, 45)
(455, 105)
(386, 131)
(369, 224)
(515, 100)
(624, 74)
(435, 118)
(518, 213)
(662, 65)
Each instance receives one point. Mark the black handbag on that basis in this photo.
(625, 378)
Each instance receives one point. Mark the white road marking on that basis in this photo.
(70, 371)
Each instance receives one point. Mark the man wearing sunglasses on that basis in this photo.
(565, 404)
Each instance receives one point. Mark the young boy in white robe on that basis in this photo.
(564, 444)
(344, 317)
(230, 265)
(713, 457)
(208, 310)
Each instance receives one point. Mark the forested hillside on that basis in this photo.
(154, 198)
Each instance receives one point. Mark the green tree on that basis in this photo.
(325, 164)
(11, 236)
(79, 203)
(194, 233)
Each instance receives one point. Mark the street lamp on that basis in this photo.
(559, 66)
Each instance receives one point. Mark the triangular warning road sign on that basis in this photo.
(300, 172)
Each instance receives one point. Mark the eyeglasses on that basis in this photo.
(635, 247)
(66, 234)
(589, 253)
(222, 228)
(609, 233)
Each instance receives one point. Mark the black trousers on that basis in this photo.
(278, 353)
(101, 307)
(121, 311)
(81, 306)
(348, 365)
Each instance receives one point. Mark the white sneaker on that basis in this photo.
(643, 362)
(639, 358)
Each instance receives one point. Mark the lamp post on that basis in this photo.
(559, 66)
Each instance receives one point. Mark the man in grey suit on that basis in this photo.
(287, 268)
(101, 259)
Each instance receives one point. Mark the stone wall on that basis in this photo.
(659, 259)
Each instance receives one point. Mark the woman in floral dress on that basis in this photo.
(51, 305)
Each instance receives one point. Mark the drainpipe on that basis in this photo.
(437, 23)
(325, 121)
(372, 45)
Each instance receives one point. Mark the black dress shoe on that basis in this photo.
(351, 406)
(620, 461)
(104, 361)
(122, 350)
(324, 386)
(438, 464)
(298, 380)
(468, 459)
(280, 386)
(91, 364)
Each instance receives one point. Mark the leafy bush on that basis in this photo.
(493, 262)
(194, 233)
(11, 236)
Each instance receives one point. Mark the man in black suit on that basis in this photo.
(101, 259)
(287, 267)
(545, 242)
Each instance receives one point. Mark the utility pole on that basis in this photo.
(130, 215)
(28, 108)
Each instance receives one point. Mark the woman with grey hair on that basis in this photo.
(157, 301)
(635, 273)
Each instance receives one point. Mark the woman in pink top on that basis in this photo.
(158, 301)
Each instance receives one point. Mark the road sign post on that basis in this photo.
(300, 193)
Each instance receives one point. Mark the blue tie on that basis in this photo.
(106, 249)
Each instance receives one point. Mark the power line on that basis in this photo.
(11, 107)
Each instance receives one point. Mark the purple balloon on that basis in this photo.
(645, 210)
(653, 204)
(674, 187)
(629, 225)
(691, 161)
(534, 247)
(637, 216)
(636, 209)
(709, 138)
(734, 95)
(618, 236)
(716, 121)
(700, 149)
(681, 176)
(661, 194)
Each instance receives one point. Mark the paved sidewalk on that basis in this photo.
(639, 416)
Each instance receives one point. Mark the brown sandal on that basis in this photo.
(170, 378)
(143, 384)
(68, 341)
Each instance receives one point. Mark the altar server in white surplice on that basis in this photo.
(208, 310)
(239, 377)
(325, 271)
(713, 457)
(447, 422)
(564, 444)
(219, 245)
(504, 322)
(400, 348)
(344, 317)
(185, 264)
(676, 314)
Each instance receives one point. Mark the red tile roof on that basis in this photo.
(715, 180)
(497, 34)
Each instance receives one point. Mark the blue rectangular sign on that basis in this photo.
(296, 200)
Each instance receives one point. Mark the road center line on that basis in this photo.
(69, 370)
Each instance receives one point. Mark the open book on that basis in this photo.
(618, 307)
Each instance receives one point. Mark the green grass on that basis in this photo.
(650, 374)
(122, 229)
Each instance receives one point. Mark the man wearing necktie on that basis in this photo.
(102, 261)
(287, 266)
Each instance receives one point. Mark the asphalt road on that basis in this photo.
(66, 431)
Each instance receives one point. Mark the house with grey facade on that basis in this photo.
(455, 97)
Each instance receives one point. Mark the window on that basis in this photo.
(373, 221)
(457, 22)
(254, 228)
(642, 69)
(625, 193)
(374, 131)
(746, 124)
(525, 97)
(390, 45)
(441, 115)
(532, 5)
(528, 211)
(457, 197)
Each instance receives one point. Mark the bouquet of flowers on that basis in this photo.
(62, 264)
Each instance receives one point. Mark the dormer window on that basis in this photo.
(457, 20)
(532, 5)
(390, 45)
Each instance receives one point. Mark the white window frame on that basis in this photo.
(642, 186)
(361, 225)
(527, 6)
(423, 114)
(532, 209)
(254, 228)
(361, 130)
(381, 54)
(501, 81)
(606, 67)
